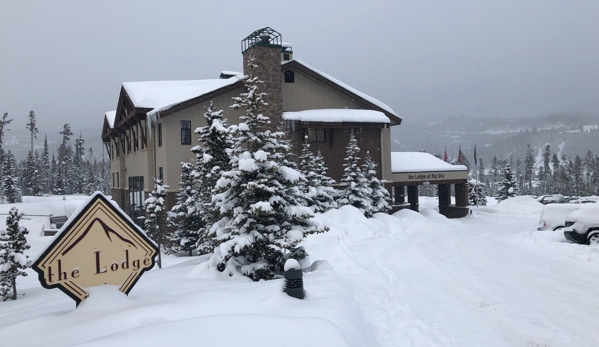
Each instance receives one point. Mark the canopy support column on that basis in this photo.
(413, 197)
(399, 194)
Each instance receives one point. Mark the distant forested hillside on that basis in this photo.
(568, 134)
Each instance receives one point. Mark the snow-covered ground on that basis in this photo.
(411, 279)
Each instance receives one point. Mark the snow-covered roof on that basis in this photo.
(161, 95)
(110, 115)
(232, 73)
(420, 162)
(286, 44)
(343, 85)
(337, 116)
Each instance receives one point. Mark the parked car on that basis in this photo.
(582, 225)
(554, 216)
(551, 199)
(586, 200)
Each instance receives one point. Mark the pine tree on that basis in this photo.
(212, 159)
(183, 216)
(494, 173)
(64, 163)
(54, 176)
(156, 217)
(379, 195)
(4, 122)
(476, 193)
(13, 261)
(262, 218)
(30, 178)
(78, 169)
(356, 191)
(31, 126)
(317, 190)
(508, 187)
(10, 184)
(547, 169)
(529, 163)
(577, 174)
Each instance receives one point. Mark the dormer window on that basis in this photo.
(289, 76)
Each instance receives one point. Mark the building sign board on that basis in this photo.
(100, 245)
(429, 176)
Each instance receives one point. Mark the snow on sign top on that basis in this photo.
(161, 95)
(343, 85)
(110, 115)
(420, 162)
(337, 116)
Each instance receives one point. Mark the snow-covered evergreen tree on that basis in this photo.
(477, 193)
(105, 179)
(182, 215)
(30, 177)
(45, 171)
(64, 163)
(13, 261)
(379, 195)
(31, 126)
(259, 201)
(10, 183)
(4, 122)
(317, 190)
(508, 186)
(78, 174)
(156, 217)
(212, 159)
(55, 187)
(356, 191)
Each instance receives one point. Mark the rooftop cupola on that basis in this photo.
(265, 37)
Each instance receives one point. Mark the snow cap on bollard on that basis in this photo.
(294, 284)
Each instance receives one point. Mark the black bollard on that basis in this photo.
(294, 283)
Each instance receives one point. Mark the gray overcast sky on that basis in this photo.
(426, 59)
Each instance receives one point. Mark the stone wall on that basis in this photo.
(268, 60)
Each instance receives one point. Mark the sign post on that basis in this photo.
(100, 245)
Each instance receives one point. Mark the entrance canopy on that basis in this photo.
(416, 168)
(411, 169)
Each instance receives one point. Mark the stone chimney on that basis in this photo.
(265, 46)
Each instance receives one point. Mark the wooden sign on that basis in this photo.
(98, 246)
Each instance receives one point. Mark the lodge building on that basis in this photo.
(152, 130)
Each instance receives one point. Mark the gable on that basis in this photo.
(313, 89)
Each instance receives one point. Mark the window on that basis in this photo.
(289, 76)
(161, 174)
(136, 199)
(316, 135)
(115, 179)
(186, 132)
(160, 135)
(285, 56)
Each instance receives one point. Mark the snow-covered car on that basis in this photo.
(582, 225)
(586, 200)
(551, 199)
(553, 216)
